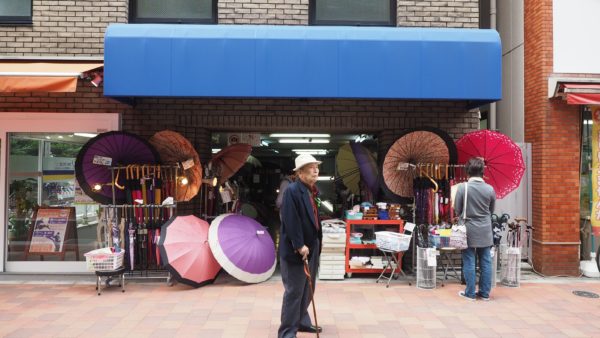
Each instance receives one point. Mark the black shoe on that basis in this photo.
(311, 329)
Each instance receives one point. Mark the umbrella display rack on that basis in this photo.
(434, 208)
(135, 227)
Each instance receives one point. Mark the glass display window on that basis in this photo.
(48, 222)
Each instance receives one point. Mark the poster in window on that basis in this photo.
(49, 229)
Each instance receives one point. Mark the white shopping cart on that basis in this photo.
(106, 263)
(390, 244)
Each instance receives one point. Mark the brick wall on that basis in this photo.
(63, 28)
(71, 28)
(452, 14)
(263, 12)
(553, 129)
(197, 118)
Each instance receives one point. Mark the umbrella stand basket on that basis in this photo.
(135, 226)
(510, 270)
(426, 268)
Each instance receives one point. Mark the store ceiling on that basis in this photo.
(271, 145)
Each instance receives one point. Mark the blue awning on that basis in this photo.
(302, 62)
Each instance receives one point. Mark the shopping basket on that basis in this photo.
(392, 241)
(104, 259)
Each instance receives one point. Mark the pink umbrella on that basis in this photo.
(185, 251)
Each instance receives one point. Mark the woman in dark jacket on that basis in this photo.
(481, 199)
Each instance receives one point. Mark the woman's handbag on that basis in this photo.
(458, 236)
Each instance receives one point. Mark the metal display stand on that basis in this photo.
(136, 223)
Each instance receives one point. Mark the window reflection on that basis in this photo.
(41, 173)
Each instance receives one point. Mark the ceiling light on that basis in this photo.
(310, 151)
(299, 135)
(293, 140)
(303, 140)
(88, 135)
(60, 136)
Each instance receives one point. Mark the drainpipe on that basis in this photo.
(492, 117)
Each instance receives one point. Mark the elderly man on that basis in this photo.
(300, 240)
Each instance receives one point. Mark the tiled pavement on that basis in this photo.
(353, 308)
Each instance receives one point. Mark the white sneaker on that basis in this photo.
(463, 295)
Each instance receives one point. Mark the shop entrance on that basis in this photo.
(256, 185)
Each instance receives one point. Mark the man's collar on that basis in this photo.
(475, 179)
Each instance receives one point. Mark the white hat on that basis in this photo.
(304, 159)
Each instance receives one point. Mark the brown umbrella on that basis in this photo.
(429, 145)
(176, 149)
(229, 160)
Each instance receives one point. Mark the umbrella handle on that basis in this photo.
(121, 187)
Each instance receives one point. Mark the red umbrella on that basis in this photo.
(229, 160)
(503, 158)
(185, 251)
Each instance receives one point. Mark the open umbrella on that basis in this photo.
(185, 251)
(354, 162)
(243, 247)
(423, 145)
(229, 160)
(176, 149)
(114, 148)
(503, 158)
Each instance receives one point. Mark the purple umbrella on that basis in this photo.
(243, 247)
(366, 165)
(111, 149)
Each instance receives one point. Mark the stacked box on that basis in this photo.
(333, 254)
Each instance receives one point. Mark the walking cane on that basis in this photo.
(312, 294)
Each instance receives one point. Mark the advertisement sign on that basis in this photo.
(596, 171)
(50, 228)
(252, 139)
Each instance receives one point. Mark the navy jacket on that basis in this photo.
(297, 223)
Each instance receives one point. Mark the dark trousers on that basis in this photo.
(296, 297)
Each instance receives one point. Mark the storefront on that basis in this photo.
(342, 81)
(38, 151)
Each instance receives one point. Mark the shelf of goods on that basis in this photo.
(331, 264)
(351, 224)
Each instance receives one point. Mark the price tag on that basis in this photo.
(188, 164)
(403, 166)
(101, 160)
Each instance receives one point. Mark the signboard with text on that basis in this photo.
(50, 228)
(596, 171)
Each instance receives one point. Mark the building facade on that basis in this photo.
(547, 66)
(73, 32)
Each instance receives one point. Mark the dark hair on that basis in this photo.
(475, 167)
